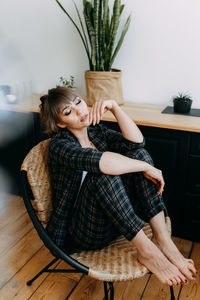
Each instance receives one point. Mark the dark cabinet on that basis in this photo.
(193, 178)
(192, 190)
(195, 144)
(19, 132)
(177, 154)
(16, 138)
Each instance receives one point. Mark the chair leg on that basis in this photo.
(172, 293)
(111, 290)
(42, 271)
(106, 290)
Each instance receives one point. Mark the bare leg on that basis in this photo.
(153, 259)
(162, 238)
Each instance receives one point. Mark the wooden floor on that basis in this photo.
(22, 255)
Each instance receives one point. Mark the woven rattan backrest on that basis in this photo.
(35, 164)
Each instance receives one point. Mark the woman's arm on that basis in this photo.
(64, 153)
(112, 163)
(116, 164)
(129, 129)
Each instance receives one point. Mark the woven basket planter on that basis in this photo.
(103, 86)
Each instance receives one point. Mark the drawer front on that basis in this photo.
(195, 144)
(194, 175)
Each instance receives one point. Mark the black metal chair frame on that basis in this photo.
(55, 250)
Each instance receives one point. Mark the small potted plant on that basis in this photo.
(182, 103)
(68, 83)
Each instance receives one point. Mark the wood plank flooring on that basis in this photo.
(22, 255)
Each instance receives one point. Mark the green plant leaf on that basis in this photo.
(99, 33)
(182, 97)
(104, 26)
(88, 16)
(108, 26)
(86, 42)
(93, 44)
(96, 29)
(121, 9)
(113, 31)
(126, 26)
(75, 26)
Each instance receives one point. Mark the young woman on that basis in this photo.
(121, 191)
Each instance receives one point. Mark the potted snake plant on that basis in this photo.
(98, 34)
(182, 103)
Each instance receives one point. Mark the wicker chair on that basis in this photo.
(116, 262)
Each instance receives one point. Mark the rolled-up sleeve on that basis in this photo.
(117, 143)
(74, 156)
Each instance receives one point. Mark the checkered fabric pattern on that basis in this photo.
(112, 205)
(143, 192)
(66, 160)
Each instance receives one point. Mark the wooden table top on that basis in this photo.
(141, 113)
(151, 115)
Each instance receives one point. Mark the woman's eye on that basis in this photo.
(67, 113)
(78, 101)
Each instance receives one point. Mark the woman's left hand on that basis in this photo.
(99, 108)
(155, 175)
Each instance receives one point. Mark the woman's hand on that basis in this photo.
(155, 175)
(99, 108)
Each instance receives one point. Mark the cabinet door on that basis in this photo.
(169, 150)
(191, 225)
(195, 143)
(16, 139)
(194, 175)
(19, 133)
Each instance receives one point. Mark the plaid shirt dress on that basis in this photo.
(67, 159)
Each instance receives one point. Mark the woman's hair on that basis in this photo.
(51, 104)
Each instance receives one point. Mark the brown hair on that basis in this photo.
(51, 104)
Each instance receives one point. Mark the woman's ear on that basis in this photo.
(61, 125)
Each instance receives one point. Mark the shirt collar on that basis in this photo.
(66, 134)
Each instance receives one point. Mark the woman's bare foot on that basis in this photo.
(169, 249)
(155, 261)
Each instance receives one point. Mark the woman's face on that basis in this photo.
(74, 115)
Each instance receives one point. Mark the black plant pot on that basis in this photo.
(181, 106)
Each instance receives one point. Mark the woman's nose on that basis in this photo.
(79, 110)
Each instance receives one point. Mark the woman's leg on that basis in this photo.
(153, 210)
(162, 239)
(142, 191)
(103, 210)
(150, 255)
(103, 199)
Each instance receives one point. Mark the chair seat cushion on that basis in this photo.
(116, 262)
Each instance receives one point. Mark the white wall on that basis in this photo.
(160, 55)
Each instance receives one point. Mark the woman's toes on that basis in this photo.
(169, 282)
(191, 261)
(192, 268)
(178, 280)
(175, 282)
(183, 279)
(187, 273)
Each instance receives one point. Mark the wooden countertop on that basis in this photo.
(142, 114)
(150, 115)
